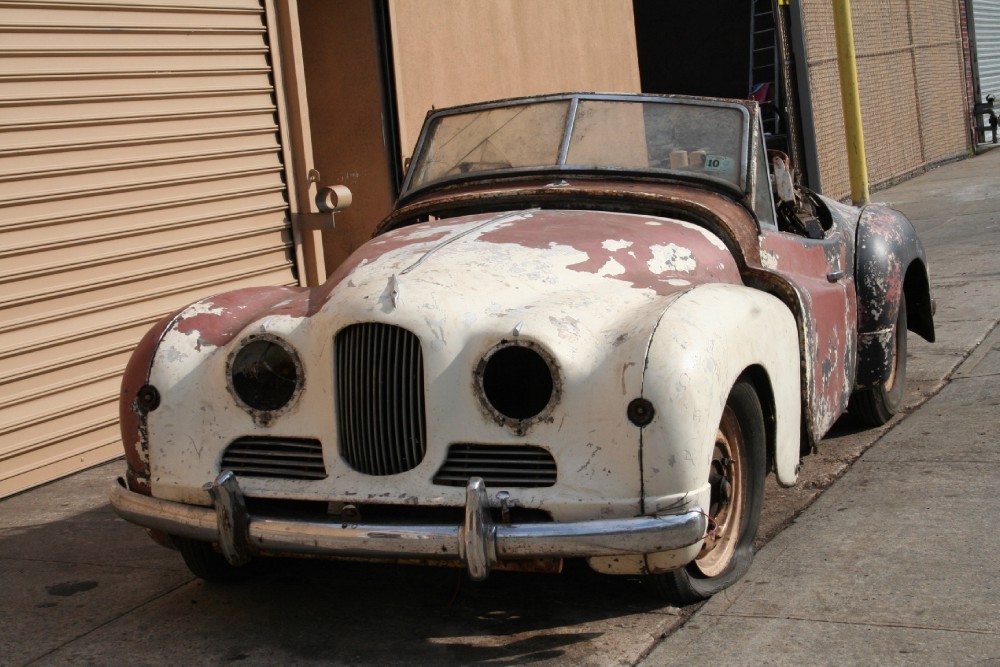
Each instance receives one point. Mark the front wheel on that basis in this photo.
(208, 564)
(877, 405)
(736, 477)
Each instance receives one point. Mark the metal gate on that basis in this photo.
(986, 22)
(140, 169)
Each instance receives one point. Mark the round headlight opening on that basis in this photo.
(517, 381)
(265, 374)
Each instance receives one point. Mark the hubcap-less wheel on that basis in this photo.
(875, 406)
(736, 480)
(728, 481)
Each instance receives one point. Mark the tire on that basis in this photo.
(877, 405)
(726, 557)
(208, 564)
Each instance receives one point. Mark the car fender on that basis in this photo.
(890, 265)
(212, 322)
(706, 340)
(132, 413)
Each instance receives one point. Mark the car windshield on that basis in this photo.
(657, 136)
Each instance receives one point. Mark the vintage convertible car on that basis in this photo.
(590, 327)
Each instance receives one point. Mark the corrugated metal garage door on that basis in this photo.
(986, 19)
(140, 169)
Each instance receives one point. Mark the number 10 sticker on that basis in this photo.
(718, 163)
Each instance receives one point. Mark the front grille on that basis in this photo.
(379, 380)
(289, 458)
(498, 465)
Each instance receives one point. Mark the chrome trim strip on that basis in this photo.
(455, 237)
(479, 543)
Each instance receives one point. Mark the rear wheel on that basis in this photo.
(208, 564)
(877, 405)
(736, 477)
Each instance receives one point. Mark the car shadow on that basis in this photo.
(80, 584)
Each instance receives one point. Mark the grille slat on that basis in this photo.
(275, 457)
(416, 438)
(520, 466)
(380, 398)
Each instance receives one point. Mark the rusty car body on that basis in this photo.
(590, 327)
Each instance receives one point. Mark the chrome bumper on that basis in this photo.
(478, 544)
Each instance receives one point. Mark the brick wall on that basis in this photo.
(911, 74)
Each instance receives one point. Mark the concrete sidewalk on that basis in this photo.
(898, 562)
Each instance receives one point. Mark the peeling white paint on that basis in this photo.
(566, 327)
(769, 259)
(614, 245)
(611, 268)
(671, 257)
(201, 308)
(678, 282)
(417, 232)
(509, 219)
(712, 238)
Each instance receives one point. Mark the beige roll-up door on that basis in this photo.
(140, 169)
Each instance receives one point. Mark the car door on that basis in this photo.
(823, 272)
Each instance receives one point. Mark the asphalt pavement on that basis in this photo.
(895, 563)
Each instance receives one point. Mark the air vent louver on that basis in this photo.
(498, 465)
(289, 458)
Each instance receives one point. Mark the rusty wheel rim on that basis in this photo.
(727, 478)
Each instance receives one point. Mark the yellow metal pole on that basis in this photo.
(851, 101)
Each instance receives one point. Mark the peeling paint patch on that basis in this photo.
(611, 268)
(671, 257)
(216, 321)
(768, 259)
(174, 354)
(709, 236)
(616, 245)
(425, 233)
(567, 327)
(206, 307)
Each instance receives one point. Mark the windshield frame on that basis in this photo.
(744, 180)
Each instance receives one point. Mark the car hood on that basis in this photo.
(534, 262)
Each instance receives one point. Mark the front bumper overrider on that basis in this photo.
(479, 543)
